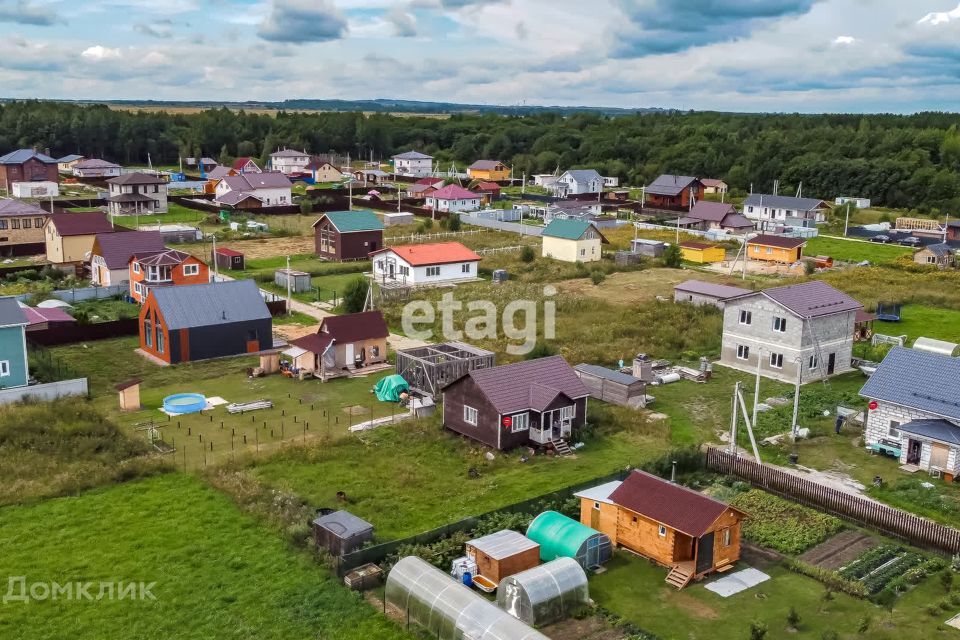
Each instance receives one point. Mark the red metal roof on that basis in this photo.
(224, 251)
(454, 192)
(678, 507)
(420, 255)
(488, 186)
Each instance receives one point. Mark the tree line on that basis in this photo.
(897, 161)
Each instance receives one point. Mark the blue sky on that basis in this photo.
(743, 55)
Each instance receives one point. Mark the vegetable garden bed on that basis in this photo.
(782, 525)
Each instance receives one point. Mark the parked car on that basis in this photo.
(911, 242)
(880, 238)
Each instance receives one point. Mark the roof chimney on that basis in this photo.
(224, 312)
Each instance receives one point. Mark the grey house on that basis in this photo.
(809, 325)
(913, 412)
(769, 211)
(698, 292)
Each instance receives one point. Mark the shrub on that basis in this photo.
(672, 257)
(541, 350)
(527, 254)
(596, 277)
(758, 630)
(864, 625)
(453, 223)
(355, 294)
(831, 579)
(793, 618)
(830, 634)
(946, 579)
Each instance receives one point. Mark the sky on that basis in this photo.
(733, 55)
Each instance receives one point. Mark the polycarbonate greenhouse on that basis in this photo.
(563, 537)
(447, 609)
(545, 594)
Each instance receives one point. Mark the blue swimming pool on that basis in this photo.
(184, 403)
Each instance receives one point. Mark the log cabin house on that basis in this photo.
(687, 531)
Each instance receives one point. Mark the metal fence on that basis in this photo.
(918, 531)
(84, 293)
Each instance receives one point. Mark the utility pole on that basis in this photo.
(289, 296)
(756, 388)
(796, 400)
(349, 197)
(846, 222)
(216, 267)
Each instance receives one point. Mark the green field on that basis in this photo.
(218, 573)
(845, 250)
(635, 589)
(917, 320)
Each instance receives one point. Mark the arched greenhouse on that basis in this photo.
(563, 537)
(447, 609)
(545, 594)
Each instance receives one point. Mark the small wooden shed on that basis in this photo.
(341, 532)
(129, 393)
(299, 281)
(503, 553)
(228, 259)
(702, 252)
(612, 386)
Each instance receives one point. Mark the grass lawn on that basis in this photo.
(106, 309)
(635, 589)
(175, 213)
(854, 250)
(919, 320)
(218, 573)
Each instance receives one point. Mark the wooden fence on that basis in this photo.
(918, 531)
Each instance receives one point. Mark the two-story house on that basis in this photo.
(913, 411)
(572, 241)
(27, 165)
(425, 264)
(165, 268)
(576, 181)
(673, 192)
(111, 253)
(21, 228)
(96, 168)
(412, 163)
(14, 370)
(492, 170)
(137, 194)
(804, 329)
(68, 237)
(769, 211)
(254, 190)
(533, 402)
(288, 161)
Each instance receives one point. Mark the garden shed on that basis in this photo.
(503, 553)
(299, 281)
(341, 532)
(563, 537)
(447, 609)
(649, 248)
(545, 594)
(612, 386)
(229, 259)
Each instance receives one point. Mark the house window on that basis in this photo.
(26, 223)
(743, 351)
(662, 531)
(726, 537)
(15, 223)
(749, 209)
(433, 271)
(38, 222)
(3, 224)
(191, 269)
(159, 341)
(596, 506)
(776, 360)
(583, 252)
(520, 422)
(746, 317)
(769, 250)
(894, 429)
(375, 351)
(405, 271)
(779, 324)
(469, 415)
(756, 249)
(568, 413)
(136, 267)
(814, 361)
(465, 268)
(147, 333)
(4, 368)
(138, 288)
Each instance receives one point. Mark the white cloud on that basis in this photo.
(844, 40)
(99, 52)
(940, 17)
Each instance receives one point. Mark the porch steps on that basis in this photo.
(561, 447)
(679, 576)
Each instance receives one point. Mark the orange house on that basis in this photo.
(775, 248)
(164, 269)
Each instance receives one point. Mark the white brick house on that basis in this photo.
(914, 410)
(413, 163)
(425, 264)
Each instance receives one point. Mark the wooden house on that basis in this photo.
(714, 186)
(111, 253)
(775, 248)
(702, 252)
(687, 531)
(673, 192)
(21, 228)
(342, 345)
(202, 321)
(492, 170)
(538, 402)
(128, 393)
(503, 553)
(612, 386)
(341, 532)
(425, 264)
(939, 255)
(347, 235)
(230, 259)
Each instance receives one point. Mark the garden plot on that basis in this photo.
(881, 565)
(839, 550)
(781, 525)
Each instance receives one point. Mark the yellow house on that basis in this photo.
(572, 241)
(492, 170)
(775, 248)
(324, 172)
(701, 252)
(69, 237)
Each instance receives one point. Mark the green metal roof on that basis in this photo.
(347, 221)
(566, 229)
(558, 535)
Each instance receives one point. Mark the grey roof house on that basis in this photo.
(719, 216)
(914, 410)
(803, 330)
(698, 292)
(769, 211)
(939, 255)
(576, 181)
(111, 253)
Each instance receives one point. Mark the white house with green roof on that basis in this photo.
(348, 235)
(572, 241)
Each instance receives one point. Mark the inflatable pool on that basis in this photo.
(184, 403)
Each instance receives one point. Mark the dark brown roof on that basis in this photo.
(531, 384)
(711, 211)
(81, 224)
(136, 178)
(697, 245)
(312, 342)
(678, 507)
(782, 242)
(128, 383)
(812, 299)
(116, 249)
(353, 327)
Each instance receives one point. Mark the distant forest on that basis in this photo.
(897, 161)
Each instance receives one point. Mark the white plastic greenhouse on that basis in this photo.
(545, 594)
(448, 610)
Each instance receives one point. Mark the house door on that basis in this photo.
(938, 455)
(390, 269)
(253, 343)
(349, 354)
(595, 518)
(914, 447)
(593, 552)
(705, 553)
(831, 363)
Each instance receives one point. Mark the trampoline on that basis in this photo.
(888, 311)
(180, 403)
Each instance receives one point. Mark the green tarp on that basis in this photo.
(390, 388)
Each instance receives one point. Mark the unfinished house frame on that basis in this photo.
(430, 368)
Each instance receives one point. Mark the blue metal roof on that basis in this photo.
(920, 380)
(202, 305)
(22, 155)
(607, 374)
(934, 429)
